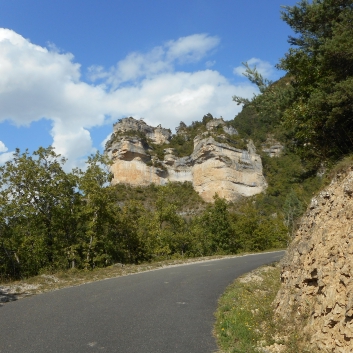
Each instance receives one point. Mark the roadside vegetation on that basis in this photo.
(310, 112)
(246, 321)
(52, 220)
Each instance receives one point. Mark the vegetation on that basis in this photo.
(183, 141)
(310, 112)
(320, 62)
(312, 104)
(291, 179)
(52, 221)
(245, 319)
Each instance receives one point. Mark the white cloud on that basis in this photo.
(3, 148)
(159, 60)
(172, 97)
(263, 67)
(191, 48)
(37, 82)
(4, 157)
(210, 63)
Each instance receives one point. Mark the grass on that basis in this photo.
(341, 168)
(245, 320)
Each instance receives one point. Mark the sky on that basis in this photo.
(69, 69)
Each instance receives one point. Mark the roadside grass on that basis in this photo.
(14, 290)
(245, 320)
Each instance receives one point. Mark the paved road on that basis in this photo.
(165, 311)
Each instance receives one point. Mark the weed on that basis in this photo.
(245, 319)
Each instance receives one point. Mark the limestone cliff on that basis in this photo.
(214, 166)
(272, 147)
(318, 269)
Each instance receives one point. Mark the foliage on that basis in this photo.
(183, 195)
(258, 231)
(51, 220)
(245, 319)
(321, 63)
(287, 175)
(183, 141)
(315, 107)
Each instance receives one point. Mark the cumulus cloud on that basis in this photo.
(38, 82)
(3, 148)
(172, 97)
(191, 48)
(263, 67)
(4, 157)
(159, 60)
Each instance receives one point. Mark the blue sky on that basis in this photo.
(70, 68)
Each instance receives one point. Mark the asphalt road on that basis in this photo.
(164, 311)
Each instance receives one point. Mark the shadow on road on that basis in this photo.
(7, 297)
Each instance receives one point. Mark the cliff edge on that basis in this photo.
(142, 155)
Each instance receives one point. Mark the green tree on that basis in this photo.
(98, 210)
(36, 198)
(293, 208)
(217, 225)
(320, 62)
(312, 104)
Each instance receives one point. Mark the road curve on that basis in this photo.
(165, 311)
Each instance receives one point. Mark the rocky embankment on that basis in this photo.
(317, 271)
(214, 166)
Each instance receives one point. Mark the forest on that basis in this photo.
(52, 220)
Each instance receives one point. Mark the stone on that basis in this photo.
(272, 147)
(316, 274)
(213, 167)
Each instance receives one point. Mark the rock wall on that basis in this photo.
(213, 167)
(272, 147)
(157, 134)
(318, 269)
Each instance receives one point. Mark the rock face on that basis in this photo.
(157, 134)
(272, 147)
(317, 272)
(213, 167)
(215, 123)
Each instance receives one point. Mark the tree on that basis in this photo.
(321, 64)
(36, 199)
(293, 209)
(313, 101)
(217, 226)
(98, 210)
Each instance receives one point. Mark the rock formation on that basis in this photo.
(272, 147)
(214, 166)
(317, 271)
(157, 134)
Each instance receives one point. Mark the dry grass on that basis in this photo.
(341, 168)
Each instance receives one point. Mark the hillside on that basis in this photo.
(310, 112)
(316, 272)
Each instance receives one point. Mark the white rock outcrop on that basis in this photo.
(213, 167)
